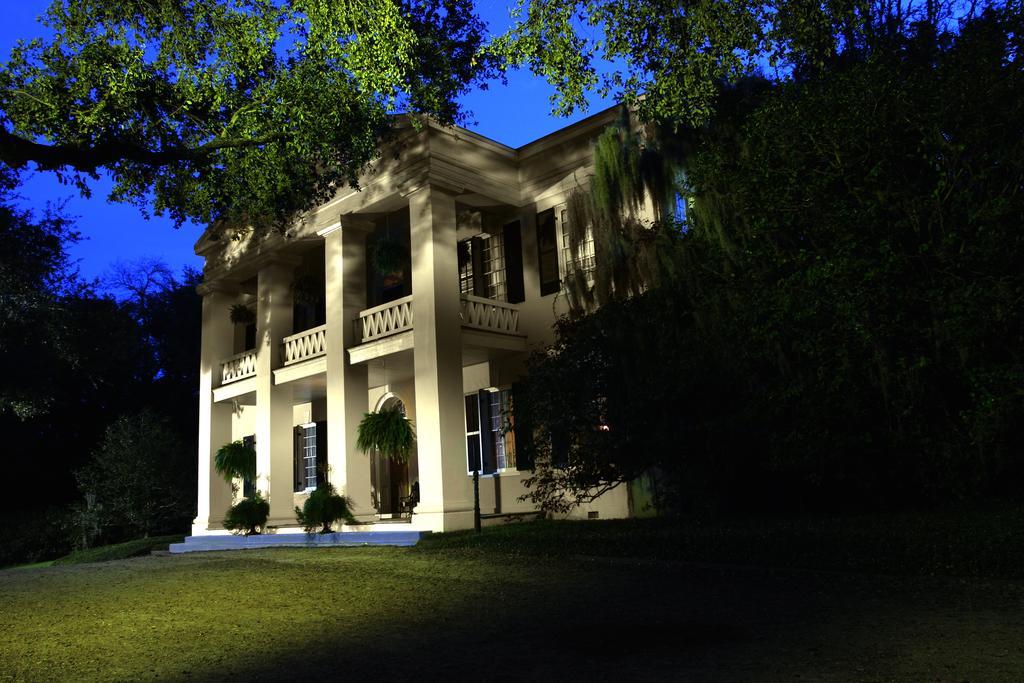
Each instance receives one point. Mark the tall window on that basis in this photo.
(490, 443)
(584, 259)
(310, 455)
(482, 267)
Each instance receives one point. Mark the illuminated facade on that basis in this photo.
(424, 290)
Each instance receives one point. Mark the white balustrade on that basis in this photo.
(486, 314)
(386, 319)
(304, 345)
(237, 367)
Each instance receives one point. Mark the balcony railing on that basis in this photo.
(486, 314)
(386, 319)
(304, 345)
(476, 312)
(239, 366)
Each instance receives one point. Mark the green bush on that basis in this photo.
(323, 508)
(248, 516)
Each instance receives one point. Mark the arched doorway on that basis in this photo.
(389, 480)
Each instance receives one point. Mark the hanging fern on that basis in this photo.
(242, 315)
(387, 431)
(389, 256)
(307, 289)
(235, 460)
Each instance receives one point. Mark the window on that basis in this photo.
(490, 442)
(482, 267)
(584, 260)
(310, 455)
(547, 253)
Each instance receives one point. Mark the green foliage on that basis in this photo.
(35, 272)
(137, 481)
(389, 432)
(844, 322)
(242, 314)
(322, 509)
(631, 252)
(389, 256)
(248, 516)
(235, 460)
(307, 290)
(669, 58)
(242, 112)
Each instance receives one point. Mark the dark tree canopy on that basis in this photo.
(668, 58)
(248, 111)
(844, 319)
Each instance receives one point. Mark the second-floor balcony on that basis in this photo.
(376, 324)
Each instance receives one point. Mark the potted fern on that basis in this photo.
(322, 509)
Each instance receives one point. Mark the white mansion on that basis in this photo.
(478, 229)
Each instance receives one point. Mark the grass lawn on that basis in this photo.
(564, 602)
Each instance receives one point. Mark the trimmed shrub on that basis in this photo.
(323, 508)
(248, 516)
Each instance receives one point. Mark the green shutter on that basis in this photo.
(522, 430)
(321, 453)
(513, 238)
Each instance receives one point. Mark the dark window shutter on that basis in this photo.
(547, 253)
(250, 336)
(321, 453)
(522, 431)
(483, 398)
(249, 485)
(479, 268)
(513, 237)
(472, 440)
(297, 459)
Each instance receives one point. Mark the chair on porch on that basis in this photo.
(406, 504)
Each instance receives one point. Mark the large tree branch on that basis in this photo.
(17, 151)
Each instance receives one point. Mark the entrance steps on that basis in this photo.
(298, 540)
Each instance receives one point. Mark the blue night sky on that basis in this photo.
(514, 115)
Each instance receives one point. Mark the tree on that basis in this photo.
(245, 112)
(669, 58)
(35, 273)
(139, 477)
(843, 322)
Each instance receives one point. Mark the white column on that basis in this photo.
(274, 430)
(347, 384)
(445, 489)
(214, 418)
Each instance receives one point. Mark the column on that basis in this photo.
(274, 430)
(214, 494)
(445, 490)
(347, 384)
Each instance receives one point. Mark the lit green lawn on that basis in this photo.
(463, 608)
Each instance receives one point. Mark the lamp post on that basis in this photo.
(476, 501)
